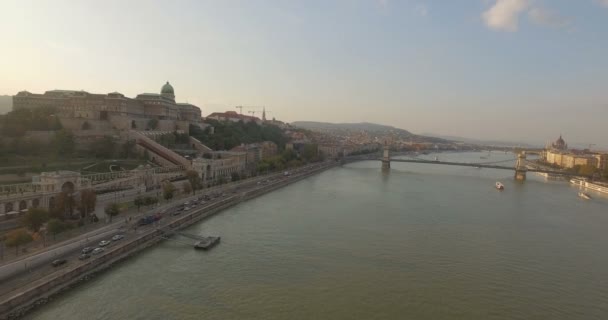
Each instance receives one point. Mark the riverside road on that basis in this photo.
(16, 276)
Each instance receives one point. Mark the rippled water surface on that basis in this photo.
(422, 242)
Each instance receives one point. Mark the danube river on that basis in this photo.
(422, 242)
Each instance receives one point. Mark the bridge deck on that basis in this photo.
(477, 165)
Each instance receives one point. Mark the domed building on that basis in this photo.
(167, 91)
(113, 110)
(559, 144)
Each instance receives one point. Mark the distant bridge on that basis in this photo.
(479, 165)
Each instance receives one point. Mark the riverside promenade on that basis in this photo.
(17, 301)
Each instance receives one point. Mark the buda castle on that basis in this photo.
(113, 110)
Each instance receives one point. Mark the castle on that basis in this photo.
(113, 110)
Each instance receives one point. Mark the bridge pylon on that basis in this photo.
(386, 157)
(520, 167)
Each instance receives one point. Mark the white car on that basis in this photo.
(186, 208)
(117, 237)
(103, 243)
(98, 251)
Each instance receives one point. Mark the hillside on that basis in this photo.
(364, 126)
(6, 104)
(373, 127)
(496, 143)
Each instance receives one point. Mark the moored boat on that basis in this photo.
(207, 243)
(500, 186)
(584, 195)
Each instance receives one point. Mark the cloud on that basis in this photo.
(504, 14)
(602, 2)
(548, 18)
(422, 10)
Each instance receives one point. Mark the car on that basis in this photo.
(186, 203)
(177, 212)
(84, 256)
(117, 237)
(98, 251)
(87, 250)
(186, 208)
(104, 243)
(58, 262)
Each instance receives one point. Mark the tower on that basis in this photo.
(386, 157)
(264, 114)
(167, 91)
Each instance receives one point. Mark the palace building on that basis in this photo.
(76, 107)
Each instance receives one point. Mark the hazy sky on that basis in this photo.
(507, 69)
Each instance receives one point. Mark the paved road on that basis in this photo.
(15, 275)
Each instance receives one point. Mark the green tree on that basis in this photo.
(56, 226)
(168, 190)
(138, 202)
(112, 210)
(187, 187)
(35, 218)
(64, 143)
(195, 180)
(310, 152)
(88, 200)
(152, 124)
(18, 238)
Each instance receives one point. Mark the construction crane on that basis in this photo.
(252, 112)
(240, 107)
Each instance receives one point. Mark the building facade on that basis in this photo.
(121, 111)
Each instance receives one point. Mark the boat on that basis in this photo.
(207, 243)
(500, 186)
(436, 159)
(584, 195)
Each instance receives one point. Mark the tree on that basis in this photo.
(56, 226)
(106, 148)
(88, 200)
(148, 201)
(35, 218)
(153, 123)
(586, 170)
(64, 143)
(168, 190)
(64, 206)
(139, 201)
(195, 180)
(310, 152)
(17, 238)
(187, 187)
(112, 210)
(235, 176)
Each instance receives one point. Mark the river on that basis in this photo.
(421, 242)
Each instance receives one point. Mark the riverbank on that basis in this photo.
(39, 292)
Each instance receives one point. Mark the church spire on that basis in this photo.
(263, 113)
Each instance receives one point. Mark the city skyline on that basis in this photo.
(491, 69)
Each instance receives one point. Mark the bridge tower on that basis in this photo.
(386, 157)
(520, 166)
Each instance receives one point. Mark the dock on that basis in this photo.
(202, 242)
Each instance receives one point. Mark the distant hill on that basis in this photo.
(311, 125)
(6, 104)
(496, 143)
(365, 126)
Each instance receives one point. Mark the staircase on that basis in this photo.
(157, 149)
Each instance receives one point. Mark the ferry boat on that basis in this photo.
(500, 186)
(584, 196)
(207, 243)
(589, 185)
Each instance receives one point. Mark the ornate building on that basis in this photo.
(120, 111)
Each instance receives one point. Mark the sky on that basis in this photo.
(516, 70)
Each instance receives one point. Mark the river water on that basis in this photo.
(421, 242)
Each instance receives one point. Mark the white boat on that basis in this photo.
(500, 186)
(584, 195)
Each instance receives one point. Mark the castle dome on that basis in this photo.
(167, 89)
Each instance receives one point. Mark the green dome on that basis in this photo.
(167, 88)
